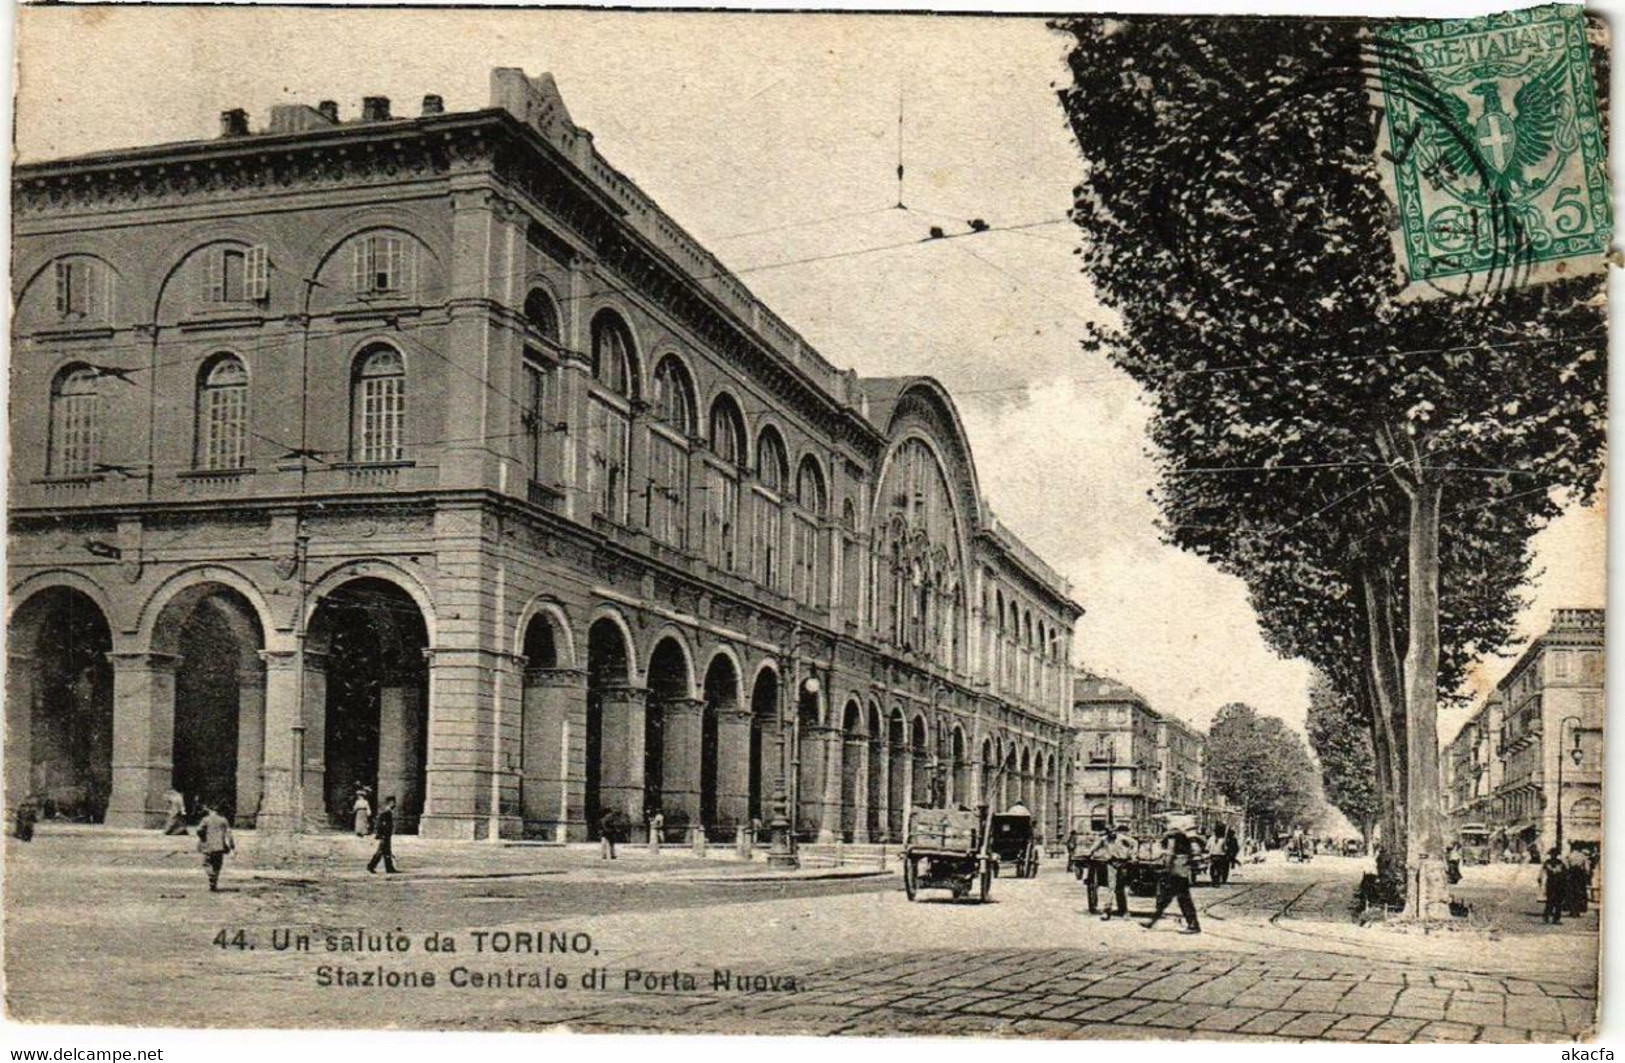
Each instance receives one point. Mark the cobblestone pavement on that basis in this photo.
(118, 929)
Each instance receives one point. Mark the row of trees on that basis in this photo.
(1372, 467)
(1262, 768)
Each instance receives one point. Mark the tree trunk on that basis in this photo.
(1388, 729)
(1429, 894)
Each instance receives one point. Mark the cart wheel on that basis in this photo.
(987, 882)
(911, 877)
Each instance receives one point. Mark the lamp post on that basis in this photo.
(781, 852)
(1111, 775)
(1578, 756)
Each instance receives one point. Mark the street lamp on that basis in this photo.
(781, 852)
(1578, 756)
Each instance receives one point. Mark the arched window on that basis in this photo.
(772, 468)
(609, 416)
(222, 414)
(772, 471)
(727, 432)
(378, 403)
(537, 386)
(674, 396)
(812, 504)
(76, 422)
(666, 510)
(541, 315)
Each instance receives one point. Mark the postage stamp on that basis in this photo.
(1493, 151)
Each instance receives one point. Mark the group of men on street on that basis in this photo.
(215, 841)
(1108, 863)
(1566, 882)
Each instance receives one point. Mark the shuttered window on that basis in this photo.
(383, 265)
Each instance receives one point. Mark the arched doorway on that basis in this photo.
(764, 765)
(547, 694)
(372, 637)
(671, 740)
(899, 768)
(853, 771)
(609, 705)
(213, 634)
(59, 705)
(813, 753)
(922, 763)
(987, 768)
(958, 777)
(874, 820)
(726, 752)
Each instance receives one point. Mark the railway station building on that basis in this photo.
(429, 454)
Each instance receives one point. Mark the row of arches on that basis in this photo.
(208, 709)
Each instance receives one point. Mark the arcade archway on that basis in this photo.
(59, 705)
(367, 637)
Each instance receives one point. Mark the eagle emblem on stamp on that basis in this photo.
(1491, 149)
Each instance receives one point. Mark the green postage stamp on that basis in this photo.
(1492, 149)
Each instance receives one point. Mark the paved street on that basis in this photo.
(118, 927)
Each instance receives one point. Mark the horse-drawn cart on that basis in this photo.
(1012, 842)
(948, 849)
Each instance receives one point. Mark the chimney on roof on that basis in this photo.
(433, 104)
(234, 123)
(329, 109)
(375, 108)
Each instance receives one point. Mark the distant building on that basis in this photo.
(1180, 757)
(1526, 769)
(1115, 760)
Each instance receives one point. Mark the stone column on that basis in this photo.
(829, 814)
(905, 770)
(554, 710)
(400, 744)
(21, 683)
(621, 751)
(856, 753)
(250, 743)
(295, 717)
(459, 768)
(881, 752)
(143, 737)
(680, 751)
(733, 765)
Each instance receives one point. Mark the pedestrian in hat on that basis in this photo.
(383, 828)
(1175, 882)
(214, 841)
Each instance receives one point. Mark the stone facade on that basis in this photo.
(430, 455)
(1535, 746)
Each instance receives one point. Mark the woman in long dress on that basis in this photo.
(363, 813)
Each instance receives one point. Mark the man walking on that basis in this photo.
(1579, 884)
(1554, 879)
(174, 812)
(1119, 855)
(214, 841)
(383, 828)
(1097, 868)
(1175, 882)
(1218, 857)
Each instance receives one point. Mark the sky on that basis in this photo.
(775, 138)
